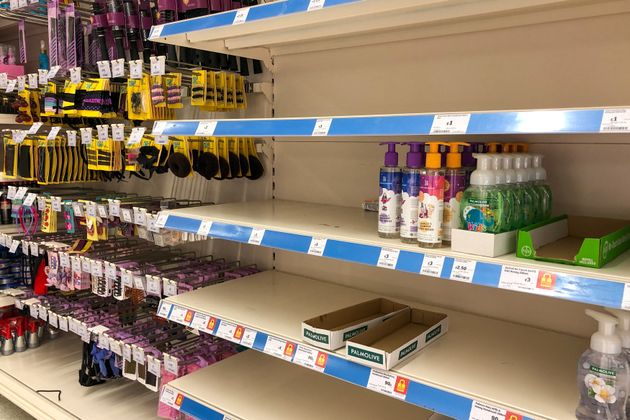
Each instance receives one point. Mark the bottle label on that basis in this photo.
(454, 186)
(409, 205)
(601, 389)
(389, 202)
(480, 215)
(431, 208)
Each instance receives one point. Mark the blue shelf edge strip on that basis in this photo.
(559, 121)
(256, 13)
(568, 287)
(421, 395)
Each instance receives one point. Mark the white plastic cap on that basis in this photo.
(605, 340)
(519, 166)
(541, 173)
(483, 175)
(510, 173)
(497, 167)
(623, 327)
(531, 172)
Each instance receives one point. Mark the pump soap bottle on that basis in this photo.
(389, 197)
(431, 199)
(483, 204)
(623, 331)
(410, 193)
(544, 191)
(454, 187)
(602, 374)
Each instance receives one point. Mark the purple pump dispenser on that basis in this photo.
(415, 158)
(410, 193)
(391, 157)
(389, 194)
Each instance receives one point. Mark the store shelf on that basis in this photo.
(8, 119)
(350, 235)
(55, 366)
(293, 26)
(510, 367)
(270, 389)
(549, 121)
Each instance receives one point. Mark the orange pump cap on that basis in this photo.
(454, 156)
(433, 157)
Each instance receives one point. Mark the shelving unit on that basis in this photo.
(55, 366)
(348, 234)
(7, 119)
(268, 384)
(446, 377)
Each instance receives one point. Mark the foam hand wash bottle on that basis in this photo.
(389, 196)
(603, 374)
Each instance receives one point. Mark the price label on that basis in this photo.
(42, 77)
(4, 79)
(86, 265)
(151, 227)
(463, 270)
(249, 337)
(64, 260)
(118, 132)
(34, 249)
(170, 287)
(161, 139)
(90, 208)
(158, 65)
(171, 364)
(18, 135)
(104, 69)
(388, 384)
(154, 285)
(118, 67)
(310, 358)
(483, 411)
(139, 216)
(103, 341)
(154, 366)
(279, 348)
(115, 346)
(75, 75)
(34, 128)
(136, 135)
(318, 246)
(388, 258)
(164, 309)
(53, 319)
(518, 278)
(11, 192)
(138, 282)
(322, 126)
(32, 81)
(52, 73)
(102, 211)
(14, 246)
(138, 354)
(432, 265)
(78, 209)
(20, 193)
(86, 135)
(21, 83)
(204, 228)
(110, 271)
(181, 315)
(75, 263)
(127, 353)
(126, 278)
(127, 215)
(22, 3)
(227, 330)
(161, 220)
(25, 247)
(54, 131)
(158, 128)
(615, 121)
(19, 304)
(241, 16)
(206, 128)
(201, 322)
(102, 131)
(97, 268)
(450, 124)
(114, 207)
(14, 4)
(135, 69)
(41, 203)
(33, 310)
(11, 85)
(72, 138)
(63, 323)
(257, 236)
(30, 199)
(156, 31)
(86, 335)
(43, 313)
(171, 398)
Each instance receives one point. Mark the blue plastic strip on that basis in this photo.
(198, 410)
(348, 371)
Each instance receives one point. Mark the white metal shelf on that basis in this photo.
(493, 362)
(294, 26)
(55, 365)
(349, 234)
(253, 386)
(8, 119)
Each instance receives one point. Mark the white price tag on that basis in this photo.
(19, 304)
(86, 135)
(21, 192)
(75, 263)
(154, 366)
(41, 203)
(249, 336)
(54, 131)
(322, 126)
(22, 3)
(257, 236)
(161, 220)
(11, 193)
(164, 309)
(118, 132)
(43, 313)
(140, 216)
(171, 398)
(32, 81)
(114, 207)
(72, 138)
(126, 278)
(25, 247)
(21, 83)
(171, 364)
(136, 135)
(86, 265)
(170, 287)
(154, 285)
(53, 319)
(279, 348)
(615, 121)
(310, 358)
(181, 315)
(64, 260)
(11, 85)
(228, 331)
(161, 139)
(75, 75)
(102, 131)
(450, 124)
(483, 411)
(432, 265)
(30, 199)
(97, 268)
(110, 271)
(63, 323)
(35, 128)
(4, 79)
(388, 258)
(151, 227)
(52, 73)
(118, 67)
(33, 310)
(34, 249)
(241, 16)
(42, 77)
(127, 353)
(18, 135)
(104, 69)
(158, 127)
(115, 346)
(206, 128)
(135, 69)
(78, 209)
(102, 211)
(138, 282)
(86, 335)
(14, 4)
(204, 228)
(14, 246)
(318, 246)
(202, 322)
(138, 354)
(518, 278)
(103, 341)
(156, 31)
(127, 215)
(90, 208)
(463, 270)
(158, 65)
(388, 384)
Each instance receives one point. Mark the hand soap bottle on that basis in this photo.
(431, 199)
(524, 193)
(410, 193)
(544, 191)
(623, 331)
(602, 374)
(500, 179)
(515, 215)
(454, 187)
(482, 205)
(389, 197)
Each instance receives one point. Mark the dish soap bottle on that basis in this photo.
(410, 193)
(454, 186)
(483, 202)
(431, 199)
(389, 197)
(544, 191)
(602, 374)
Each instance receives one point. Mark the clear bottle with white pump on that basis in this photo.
(524, 191)
(544, 191)
(515, 215)
(483, 203)
(533, 188)
(500, 178)
(623, 331)
(603, 373)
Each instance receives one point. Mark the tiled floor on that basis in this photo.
(9, 411)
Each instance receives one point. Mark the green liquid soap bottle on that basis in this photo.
(524, 191)
(389, 196)
(501, 183)
(431, 199)
(410, 192)
(455, 179)
(544, 190)
(482, 205)
(602, 376)
(533, 188)
(516, 217)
